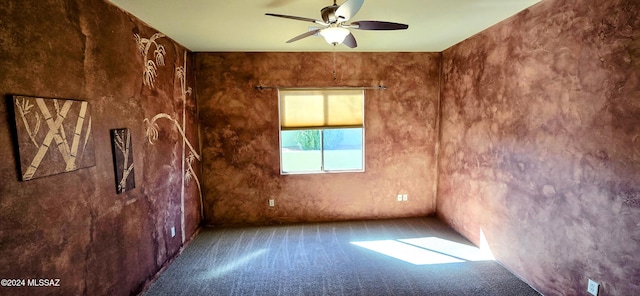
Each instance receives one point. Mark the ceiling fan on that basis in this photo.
(335, 27)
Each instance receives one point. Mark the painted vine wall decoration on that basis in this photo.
(54, 136)
(151, 125)
(150, 71)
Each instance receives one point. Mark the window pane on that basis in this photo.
(343, 149)
(301, 151)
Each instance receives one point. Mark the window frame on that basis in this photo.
(322, 170)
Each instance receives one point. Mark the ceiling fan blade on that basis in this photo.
(350, 41)
(304, 35)
(299, 18)
(377, 25)
(348, 9)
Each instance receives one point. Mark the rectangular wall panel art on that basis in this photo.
(54, 136)
(122, 159)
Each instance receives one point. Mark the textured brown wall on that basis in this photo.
(240, 137)
(541, 144)
(73, 226)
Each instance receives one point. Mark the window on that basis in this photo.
(321, 130)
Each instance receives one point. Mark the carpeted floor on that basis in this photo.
(415, 256)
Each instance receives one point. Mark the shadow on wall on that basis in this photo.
(8, 101)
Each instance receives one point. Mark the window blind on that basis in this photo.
(321, 108)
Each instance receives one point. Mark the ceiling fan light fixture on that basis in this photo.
(334, 35)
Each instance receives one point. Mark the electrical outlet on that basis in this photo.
(593, 288)
(405, 197)
(272, 202)
(173, 231)
(399, 197)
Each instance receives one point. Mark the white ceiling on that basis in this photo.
(242, 26)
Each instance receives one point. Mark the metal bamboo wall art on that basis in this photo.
(54, 136)
(123, 159)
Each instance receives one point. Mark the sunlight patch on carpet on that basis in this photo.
(426, 250)
(224, 269)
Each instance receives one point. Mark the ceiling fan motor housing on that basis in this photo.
(329, 14)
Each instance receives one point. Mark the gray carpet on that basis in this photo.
(336, 258)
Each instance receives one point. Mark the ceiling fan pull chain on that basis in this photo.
(334, 63)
